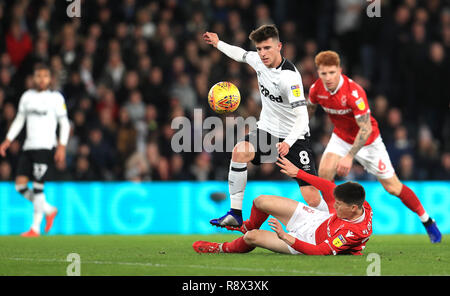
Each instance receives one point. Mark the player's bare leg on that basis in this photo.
(311, 195)
(243, 152)
(281, 208)
(264, 205)
(395, 187)
(327, 166)
(267, 240)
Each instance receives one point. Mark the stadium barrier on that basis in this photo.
(186, 207)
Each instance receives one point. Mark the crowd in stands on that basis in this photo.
(128, 68)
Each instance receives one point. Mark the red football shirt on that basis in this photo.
(346, 237)
(336, 235)
(346, 103)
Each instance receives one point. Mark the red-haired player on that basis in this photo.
(356, 135)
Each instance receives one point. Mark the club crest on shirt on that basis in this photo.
(360, 104)
(339, 241)
(295, 90)
(344, 100)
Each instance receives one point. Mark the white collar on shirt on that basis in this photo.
(359, 219)
(341, 82)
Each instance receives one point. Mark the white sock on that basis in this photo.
(424, 218)
(237, 180)
(322, 206)
(38, 213)
(46, 207)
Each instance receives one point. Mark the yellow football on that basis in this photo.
(224, 97)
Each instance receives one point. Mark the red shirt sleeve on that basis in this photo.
(325, 186)
(310, 249)
(357, 100)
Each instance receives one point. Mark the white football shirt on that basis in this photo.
(281, 90)
(42, 111)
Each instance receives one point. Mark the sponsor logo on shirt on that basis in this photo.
(296, 90)
(336, 111)
(360, 104)
(267, 94)
(37, 112)
(339, 241)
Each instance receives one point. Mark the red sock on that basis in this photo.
(237, 246)
(409, 198)
(257, 218)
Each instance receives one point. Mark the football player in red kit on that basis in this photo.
(344, 228)
(356, 135)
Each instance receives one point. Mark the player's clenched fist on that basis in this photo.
(211, 38)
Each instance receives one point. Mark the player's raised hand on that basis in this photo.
(211, 38)
(4, 146)
(287, 167)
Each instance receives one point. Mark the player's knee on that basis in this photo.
(21, 181)
(251, 237)
(243, 152)
(311, 196)
(262, 201)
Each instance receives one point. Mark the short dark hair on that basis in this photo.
(42, 66)
(264, 32)
(351, 193)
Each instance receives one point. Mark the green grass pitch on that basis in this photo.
(170, 255)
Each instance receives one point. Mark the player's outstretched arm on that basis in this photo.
(234, 52)
(325, 186)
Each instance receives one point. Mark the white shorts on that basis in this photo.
(374, 157)
(304, 222)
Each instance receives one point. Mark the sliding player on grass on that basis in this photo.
(343, 229)
(356, 135)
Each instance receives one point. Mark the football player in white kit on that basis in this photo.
(283, 126)
(42, 109)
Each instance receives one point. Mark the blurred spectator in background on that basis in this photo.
(443, 170)
(18, 43)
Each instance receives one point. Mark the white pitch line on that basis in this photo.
(149, 264)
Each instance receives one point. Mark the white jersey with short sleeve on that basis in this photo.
(42, 111)
(281, 90)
